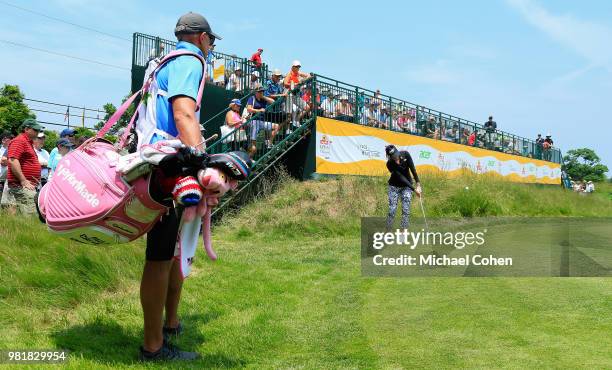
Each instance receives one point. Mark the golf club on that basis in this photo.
(423, 210)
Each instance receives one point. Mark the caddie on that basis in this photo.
(161, 284)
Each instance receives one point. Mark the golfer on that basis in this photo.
(161, 284)
(400, 165)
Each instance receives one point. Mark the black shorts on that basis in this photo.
(161, 239)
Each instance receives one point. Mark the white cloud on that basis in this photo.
(587, 38)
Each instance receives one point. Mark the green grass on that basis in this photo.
(287, 291)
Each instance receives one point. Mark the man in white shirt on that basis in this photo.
(43, 157)
(235, 81)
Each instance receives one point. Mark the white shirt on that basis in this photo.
(43, 159)
(3, 169)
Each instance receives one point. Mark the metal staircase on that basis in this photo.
(295, 123)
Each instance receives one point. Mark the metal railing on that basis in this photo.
(146, 48)
(346, 102)
(350, 103)
(259, 132)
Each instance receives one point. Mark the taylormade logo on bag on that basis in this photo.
(77, 185)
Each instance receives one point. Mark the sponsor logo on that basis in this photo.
(78, 185)
(84, 238)
(424, 154)
(325, 146)
(369, 153)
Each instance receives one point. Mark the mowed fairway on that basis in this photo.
(279, 297)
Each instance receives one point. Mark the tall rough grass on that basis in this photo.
(334, 206)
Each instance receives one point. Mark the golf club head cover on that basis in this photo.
(187, 191)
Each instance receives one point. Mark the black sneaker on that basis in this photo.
(167, 352)
(172, 332)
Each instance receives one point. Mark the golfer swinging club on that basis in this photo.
(400, 165)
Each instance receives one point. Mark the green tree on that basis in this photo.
(110, 109)
(12, 109)
(584, 164)
(51, 138)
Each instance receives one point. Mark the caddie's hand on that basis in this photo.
(419, 190)
(28, 185)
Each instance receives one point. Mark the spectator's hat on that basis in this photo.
(41, 135)
(235, 102)
(255, 73)
(277, 72)
(296, 63)
(31, 123)
(67, 132)
(193, 23)
(260, 89)
(343, 97)
(260, 49)
(65, 143)
(7, 134)
(548, 135)
(238, 68)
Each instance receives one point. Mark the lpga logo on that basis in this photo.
(77, 185)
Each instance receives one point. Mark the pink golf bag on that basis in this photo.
(88, 201)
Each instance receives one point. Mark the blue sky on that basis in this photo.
(537, 66)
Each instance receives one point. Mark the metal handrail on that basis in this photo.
(361, 97)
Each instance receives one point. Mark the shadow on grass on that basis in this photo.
(104, 341)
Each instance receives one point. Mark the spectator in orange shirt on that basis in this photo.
(294, 76)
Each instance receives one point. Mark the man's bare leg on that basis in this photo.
(153, 294)
(175, 285)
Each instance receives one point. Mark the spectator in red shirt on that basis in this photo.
(24, 169)
(256, 58)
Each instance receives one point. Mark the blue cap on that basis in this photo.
(65, 142)
(67, 132)
(236, 101)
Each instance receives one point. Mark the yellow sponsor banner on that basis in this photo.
(346, 148)
(219, 70)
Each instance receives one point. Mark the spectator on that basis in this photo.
(256, 105)
(590, 187)
(275, 90)
(233, 123)
(539, 146)
(490, 127)
(377, 100)
(372, 115)
(6, 139)
(156, 54)
(254, 83)
(383, 117)
(67, 133)
(344, 110)
(452, 134)
(465, 136)
(295, 105)
(429, 129)
(295, 77)
(63, 146)
(329, 104)
(526, 152)
(547, 146)
(256, 58)
(210, 63)
(23, 170)
(235, 80)
(472, 139)
(43, 157)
